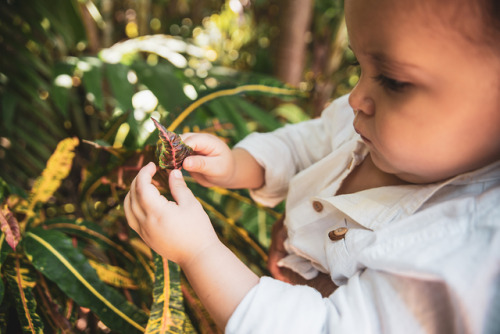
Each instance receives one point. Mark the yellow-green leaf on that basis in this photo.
(52, 253)
(21, 279)
(167, 312)
(57, 169)
(113, 275)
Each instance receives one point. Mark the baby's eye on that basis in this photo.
(391, 84)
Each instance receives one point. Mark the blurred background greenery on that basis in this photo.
(53, 55)
(97, 71)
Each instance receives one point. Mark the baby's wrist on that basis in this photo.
(202, 253)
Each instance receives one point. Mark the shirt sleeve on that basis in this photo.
(277, 307)
(426, 283)
(371, 302)
(286, 151)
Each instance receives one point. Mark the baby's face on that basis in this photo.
(428, 99)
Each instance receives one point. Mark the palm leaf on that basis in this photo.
(52, 254)
(34, 37)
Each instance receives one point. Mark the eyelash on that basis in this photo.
(390, 84)
(386, 82)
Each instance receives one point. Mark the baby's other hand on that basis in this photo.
(323, 282)
(212, 163)
(178, 231)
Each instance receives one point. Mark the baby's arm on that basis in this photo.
(181, 232)
(215, 164)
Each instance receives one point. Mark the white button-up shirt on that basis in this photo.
(415, 258)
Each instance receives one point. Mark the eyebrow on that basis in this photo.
(382, 60)
(386, 62)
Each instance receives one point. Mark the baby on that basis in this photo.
(392, 196)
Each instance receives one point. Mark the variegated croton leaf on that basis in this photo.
(170, 149)
(10, 227)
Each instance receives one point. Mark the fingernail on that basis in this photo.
(177, 174)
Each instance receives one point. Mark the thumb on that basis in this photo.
(196, 164)
(179, 189)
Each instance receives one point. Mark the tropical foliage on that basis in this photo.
(75, 127)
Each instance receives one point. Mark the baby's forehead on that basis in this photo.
(471, 20)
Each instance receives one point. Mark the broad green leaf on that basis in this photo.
(120, 86)
(264, 118)
(53, 254)
(170, 149)
(92, 81)
(196, 310)
(244, 89)
(21, 279)
(167, 312)
(2, 293)
(60, 90)
(90, 231)
(64, 17)
(123, 90)
(164, 84)
(291, 112)
(4, 190)
(5, 250)
(113, 275)
(226, 111)
(234, 228)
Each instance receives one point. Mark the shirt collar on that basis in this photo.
(380, 206)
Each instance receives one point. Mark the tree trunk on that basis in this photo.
(327, 58)
(293, 38)
(94, 44)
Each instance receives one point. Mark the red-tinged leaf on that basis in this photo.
(10, 227)
(170, 149)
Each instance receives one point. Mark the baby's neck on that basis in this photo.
(366, 176)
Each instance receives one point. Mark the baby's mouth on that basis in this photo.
(366, 140)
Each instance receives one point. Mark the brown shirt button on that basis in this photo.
(317, 206)
(337, 234)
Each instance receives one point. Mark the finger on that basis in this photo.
(134, 206)
(144, 190)
(131, 220)
(201, 143)
(196, 163)
(179, 189)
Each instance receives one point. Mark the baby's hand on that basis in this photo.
(180, 230)
(212, 163)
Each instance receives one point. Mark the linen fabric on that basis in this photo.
(415, 258)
